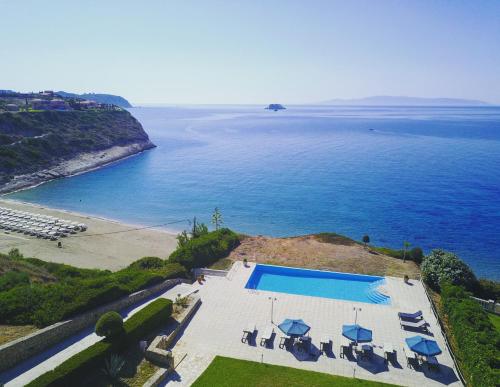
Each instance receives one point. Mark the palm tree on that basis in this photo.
(217, 218)
(406, 244)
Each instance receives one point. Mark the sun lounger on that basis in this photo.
(389, 352)
(410, 316)
(266, 336)
(421, 325)
(248, 332)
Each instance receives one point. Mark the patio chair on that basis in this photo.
(304, 344)
(345, 348)
(410, 316)
(285, 341)
(325, 344)
(411, 361)
(432, 363)
(420, 325)
(266, 336)
(248, 333)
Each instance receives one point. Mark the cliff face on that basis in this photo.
(39, 146)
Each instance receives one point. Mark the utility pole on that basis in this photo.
(272, 307)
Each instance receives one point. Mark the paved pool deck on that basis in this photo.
(227, 307)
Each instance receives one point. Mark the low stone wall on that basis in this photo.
(157, 350)
(210, 272)
(23, 348)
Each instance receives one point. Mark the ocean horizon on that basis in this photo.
(428, 175)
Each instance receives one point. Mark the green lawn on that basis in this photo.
(224, 371)
(495, 320)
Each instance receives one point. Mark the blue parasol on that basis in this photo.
(423, 346)
(294, 327)
(357, 333)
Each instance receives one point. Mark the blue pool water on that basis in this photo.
(342, 286)
(427, 175)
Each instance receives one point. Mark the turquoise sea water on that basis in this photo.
(327, 284)
(427, 175)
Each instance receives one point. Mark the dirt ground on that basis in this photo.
(310, 252)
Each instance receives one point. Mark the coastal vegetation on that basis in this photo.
(35, 141)
(66, 290)
(442, 266)
(224, 371)
(203, 249)
(73, 371)
(476, 341)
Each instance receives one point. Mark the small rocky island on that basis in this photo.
(275, 107)
(44, 136)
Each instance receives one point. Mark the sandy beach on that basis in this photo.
(117, 248)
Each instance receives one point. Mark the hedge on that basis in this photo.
(72, 371)
(477, 340)
(206, 249)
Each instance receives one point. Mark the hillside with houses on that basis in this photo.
(45, 136)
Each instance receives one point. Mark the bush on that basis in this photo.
(488, 290)
(11, 279)
(416, 255)
(477, 340)
(442, 266)
(73, 370)
(206, 249)
(78, 290)
(148, 263)
(110, 325)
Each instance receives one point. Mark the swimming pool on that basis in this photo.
(327, 284)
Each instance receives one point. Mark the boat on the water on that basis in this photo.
(275, 107)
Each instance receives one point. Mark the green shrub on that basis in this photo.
(110, 325)
(205, 249)
(77, 291)
(488, 290)
(442, 266)
(140, 325)
(12, 279)
(416, 255)
(477, 340)
(148, 263)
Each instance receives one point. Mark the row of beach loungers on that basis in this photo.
(41, 226)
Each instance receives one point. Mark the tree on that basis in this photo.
(217, 218)
(406, 245)
(110, 325)
(441, 266)
(366, 240)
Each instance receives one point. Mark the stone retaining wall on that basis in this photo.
(23, 348)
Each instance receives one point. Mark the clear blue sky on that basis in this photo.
(253, 51)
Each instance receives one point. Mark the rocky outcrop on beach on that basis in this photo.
(36, 147)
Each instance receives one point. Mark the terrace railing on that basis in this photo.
(488, 305)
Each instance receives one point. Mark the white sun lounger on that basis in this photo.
(422, 324)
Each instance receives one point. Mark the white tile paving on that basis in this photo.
(227, 307)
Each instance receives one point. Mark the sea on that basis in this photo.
(426, 175)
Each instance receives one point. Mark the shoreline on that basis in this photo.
(107, 244)
(81, 163)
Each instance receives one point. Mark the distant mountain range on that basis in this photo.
(101, 98)
(404, 101)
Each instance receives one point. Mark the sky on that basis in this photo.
(245, 52)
